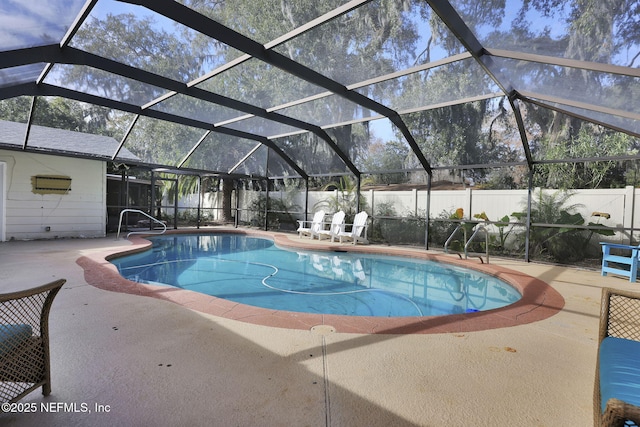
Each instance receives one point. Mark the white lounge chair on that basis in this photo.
(309, 228)
(358, 231)
(337, 225)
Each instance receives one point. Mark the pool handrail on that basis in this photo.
(476, 229)
(446, 244)
(140, 232)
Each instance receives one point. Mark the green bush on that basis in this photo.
(279, 213)
(441, 228)
(388, 228)
(559, 244)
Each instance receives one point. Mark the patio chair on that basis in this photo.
(337, 225)
(309, 228)
(626, 256)
(24, 341)
(358, 231)
(617, 380)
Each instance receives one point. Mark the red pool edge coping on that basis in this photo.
(539, 300)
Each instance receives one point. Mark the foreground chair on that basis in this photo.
(24, 341)
(337, 226)
(310, 228)
(358, 232)
(626, 256)
(617, 381)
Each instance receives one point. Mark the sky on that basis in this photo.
(31, 23)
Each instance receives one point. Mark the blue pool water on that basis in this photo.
(254, 271)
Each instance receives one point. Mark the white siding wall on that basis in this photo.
(79, 213)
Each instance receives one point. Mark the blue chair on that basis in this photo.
(626, 255)
(617, 380)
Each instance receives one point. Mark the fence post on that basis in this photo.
(236, 217)
(428, 214)
(266, 207)
(199, 201)
(306, 197)
(629, 211)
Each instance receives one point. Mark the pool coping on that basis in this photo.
(539, 300)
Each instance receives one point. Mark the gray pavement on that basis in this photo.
(126, 360)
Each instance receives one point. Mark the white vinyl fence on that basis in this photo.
(618, 203)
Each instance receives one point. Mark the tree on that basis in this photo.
(15, 109)
(384, 157)
(175, 54)
(373, 40)
(59, 113)
(462, 135)
(588, 30)
(346, 199)
(139, 42)
(562, 244)
(592, 142)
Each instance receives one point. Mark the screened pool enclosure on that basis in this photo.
(521, 115)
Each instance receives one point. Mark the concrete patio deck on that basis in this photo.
(132, 360)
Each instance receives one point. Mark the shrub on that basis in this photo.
(560, 244)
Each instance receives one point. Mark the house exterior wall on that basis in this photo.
(80, 213)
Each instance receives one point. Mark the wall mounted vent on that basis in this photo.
(51, 184)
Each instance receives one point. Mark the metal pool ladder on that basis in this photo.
(476, 229)
(140, 232)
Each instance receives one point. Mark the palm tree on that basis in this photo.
(345, 200)
(562, 244)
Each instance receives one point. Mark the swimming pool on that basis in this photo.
(254, 271)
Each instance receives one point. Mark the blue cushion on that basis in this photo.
(12, 336)
(619, 370)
